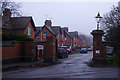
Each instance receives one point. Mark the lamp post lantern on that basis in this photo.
(98, 19)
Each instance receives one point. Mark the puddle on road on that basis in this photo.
(86, 62)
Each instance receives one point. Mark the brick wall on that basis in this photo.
(12, 51)
(50, 50)
(59, 39)
(68, 41)
(28, 48)
(63, 39)
(18, 50)
(48, 34)
(50, 47)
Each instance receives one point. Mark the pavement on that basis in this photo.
(25, 65)
(75, 66)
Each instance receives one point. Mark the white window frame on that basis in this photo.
(62, 36)
(38, 37)
(58, 36)
(44, 34)
(62, 44)
(29, 30)
(58, 44)
(65, 38)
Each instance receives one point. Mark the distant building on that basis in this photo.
(83, 42)
(75, 40)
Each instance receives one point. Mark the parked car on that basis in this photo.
(69, 49)
(83, 50)
(62, 53)
(89, 49)
(65, 47)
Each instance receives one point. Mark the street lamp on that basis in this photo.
(98, 19)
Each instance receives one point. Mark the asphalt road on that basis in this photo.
(75, 66)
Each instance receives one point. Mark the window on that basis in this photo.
(45, 35)
(62, 36)
(65, 38)
(62, 44)
(58, 45)
(29, 31)
(38, 38)
(58, 36)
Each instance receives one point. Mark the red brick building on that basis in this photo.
(83, 42)
(47, 30)
(18, 50)
(68, 38)
(18, 25)
(38, 34)
(58, 33)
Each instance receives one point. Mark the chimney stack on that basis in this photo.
(7, 13)
(48, 23)
(66, 29)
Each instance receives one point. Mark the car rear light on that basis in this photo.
(60, 51)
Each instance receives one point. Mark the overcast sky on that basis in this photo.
(77, 16)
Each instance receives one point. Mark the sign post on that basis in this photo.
(40, 51)
(40, 47)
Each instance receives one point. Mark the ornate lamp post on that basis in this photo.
(98, 54)
(98, 19)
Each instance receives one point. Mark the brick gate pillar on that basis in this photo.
(97, 45)
(28, 50)
(50, 50)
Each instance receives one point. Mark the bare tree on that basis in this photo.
(111, 24)
(13, 6)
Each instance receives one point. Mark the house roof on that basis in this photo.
(68, 34)
(65, 32)
(38, 30)
(56, 29)
(6, 23)
(73, 34)
(16, 23)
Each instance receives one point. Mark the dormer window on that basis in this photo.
(29, 31)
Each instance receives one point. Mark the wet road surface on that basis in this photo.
(75, 66)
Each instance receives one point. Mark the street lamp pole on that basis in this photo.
(98, 19)
(97, 25)
(98, 51)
